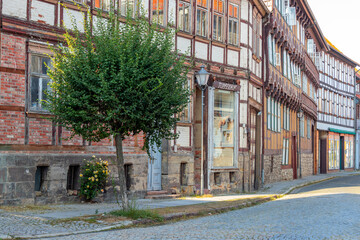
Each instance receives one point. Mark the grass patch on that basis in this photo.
(135, 214)
(26, 208)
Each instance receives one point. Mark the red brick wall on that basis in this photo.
(12, 127)
(76, 140)
(12, 51)
(12, 89)
(40, 131)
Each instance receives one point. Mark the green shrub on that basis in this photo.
(93, 177)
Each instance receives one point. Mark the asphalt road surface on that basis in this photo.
(327, 210)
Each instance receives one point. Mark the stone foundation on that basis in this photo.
(17, 181)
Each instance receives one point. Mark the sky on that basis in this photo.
(340, 24)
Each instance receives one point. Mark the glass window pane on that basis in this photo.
(35, 64)
(224, 114)
(34, 93)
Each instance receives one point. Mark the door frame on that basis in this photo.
(342, 152)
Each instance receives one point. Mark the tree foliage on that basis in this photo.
(118, 79)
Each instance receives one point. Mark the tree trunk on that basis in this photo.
(121, 172)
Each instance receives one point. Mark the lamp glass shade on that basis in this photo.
(202, 77)
(300, 114)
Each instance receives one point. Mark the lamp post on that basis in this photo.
(202, 78)
(300, 115)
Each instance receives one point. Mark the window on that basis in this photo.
(286, 118)
(270, 50)
(233, 23)
(103, 4)
(305, 83)
(285, 157)
(302, 127)
(73, 178)
(232, 177)
(274, 115)
(183, 179)
(201, 18)
(184, 115)
(217, 179)
(224, 128)
(158, 12)
(256, 36)
(184, 16)
(40, 177)
(128, 5)
(38, 81)
(269, 113)
(128, 173)
(218, 20)
(308, 124)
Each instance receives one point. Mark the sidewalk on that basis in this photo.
(50, 222)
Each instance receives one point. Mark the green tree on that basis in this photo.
(118, 80)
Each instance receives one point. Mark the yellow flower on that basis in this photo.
(92, 179)
(96, 179)
(93, 156)
(102, 190)
(80, 175)
(96, 176)
(87, 186)
(103, 172)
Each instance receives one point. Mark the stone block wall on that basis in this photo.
(307, 164)
(17, 177)
(272, 169)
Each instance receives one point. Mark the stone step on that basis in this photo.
(160, 192)
(163, 196)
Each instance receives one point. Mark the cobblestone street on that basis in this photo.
(328, 210)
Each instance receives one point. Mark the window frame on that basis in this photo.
(182, 27)
(218, 18)
(233, 19)
(41, 77)
(202, 10)
(164, 14)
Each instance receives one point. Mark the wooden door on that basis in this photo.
(293, 156)
(253, 115)
(323, 143)
(342, 153)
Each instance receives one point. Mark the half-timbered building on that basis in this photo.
(39, 164)
(291, 83)
(336, 111)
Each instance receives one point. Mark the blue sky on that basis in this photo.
(340, 24)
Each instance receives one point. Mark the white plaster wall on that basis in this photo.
(217, 54)
(184, 136)
(243, 58)
(233, 58)
(244, 90)
(78, 16)
(244, 33)
(43, 12)
(172, 12)
(201, 50)
(15, 8)
(184, 45)
(244, 9)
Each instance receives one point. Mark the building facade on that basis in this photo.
(38, 164)
(291, 83)
(336, 111)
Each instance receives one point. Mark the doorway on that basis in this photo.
(255, 131)
(293, 157)
(323, 156)
(154, 169)
(342, 155)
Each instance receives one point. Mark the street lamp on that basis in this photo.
(202, 78)
(300, 115)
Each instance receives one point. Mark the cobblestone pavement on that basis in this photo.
(328, 210)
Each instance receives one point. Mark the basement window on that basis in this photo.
(183, 179)
(128, 172)
(40, 176)
(232, 177)
(217, 178)
(73, 178)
